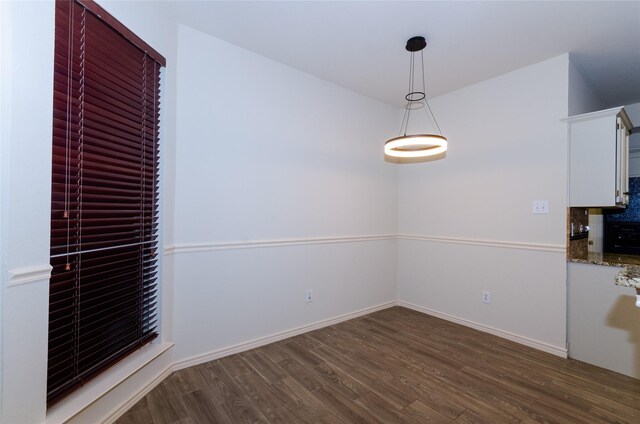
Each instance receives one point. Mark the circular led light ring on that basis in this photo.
(399, 146)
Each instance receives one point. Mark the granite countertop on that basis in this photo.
(610, 259)
(629, 276)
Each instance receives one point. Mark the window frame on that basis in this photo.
(99, 13)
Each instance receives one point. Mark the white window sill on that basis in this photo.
(103, 383)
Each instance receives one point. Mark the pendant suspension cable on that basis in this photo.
(411, 73)
(425, 97)
(404, 120)
(424, 86)
(411, 77)
(407, 110)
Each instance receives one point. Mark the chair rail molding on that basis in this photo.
(18, 276)
(254, 244)
(544, 247)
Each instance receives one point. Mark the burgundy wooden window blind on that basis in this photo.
(104, 207)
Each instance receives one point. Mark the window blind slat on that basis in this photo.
(99, 279)
(62, 334)
(63, 385)
(94, 312)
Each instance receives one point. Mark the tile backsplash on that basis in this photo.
(632, 212)
(578, 247)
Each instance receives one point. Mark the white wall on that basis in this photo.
(27, 97)
(4, 108)
(582, 97)
(268, 154)
(634, 160)
(633, 111)
(466, 223)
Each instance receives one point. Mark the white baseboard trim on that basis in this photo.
(252, 344)
(120, 411)
(545, 347)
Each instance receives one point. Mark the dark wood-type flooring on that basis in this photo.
(391, 366)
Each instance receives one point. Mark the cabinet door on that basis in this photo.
(593, 175)
(622, 163)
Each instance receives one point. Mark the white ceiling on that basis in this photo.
(360, 44)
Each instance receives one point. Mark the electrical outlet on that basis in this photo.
(308, 296)
(486, 297)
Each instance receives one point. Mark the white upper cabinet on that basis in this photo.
(599, 159)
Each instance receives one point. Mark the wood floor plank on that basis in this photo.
(273, 352)
(227, 392)
(223, 386)
(438, 398)
(204, 408)
(601, 375)
(334, 377)
(602, 406)
(303, 340)
(286, 414)
(392, 366)
(385, 411)
(303, 400)
(264, 366)
(265, 396)
(302, 354)
(346, 408)
(395, 394)
(141, 404)
(557, 412)
(187, 420)
(241, 410)
(235, 364)
(188, 379)
(474, 417)
(165, 403)
(609, 416)
(425, 414)
(139, 416)
(300, 373)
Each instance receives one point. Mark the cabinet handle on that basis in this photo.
(626, 192)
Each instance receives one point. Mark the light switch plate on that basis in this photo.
(540, 206)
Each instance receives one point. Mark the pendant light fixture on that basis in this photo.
(416, 145)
